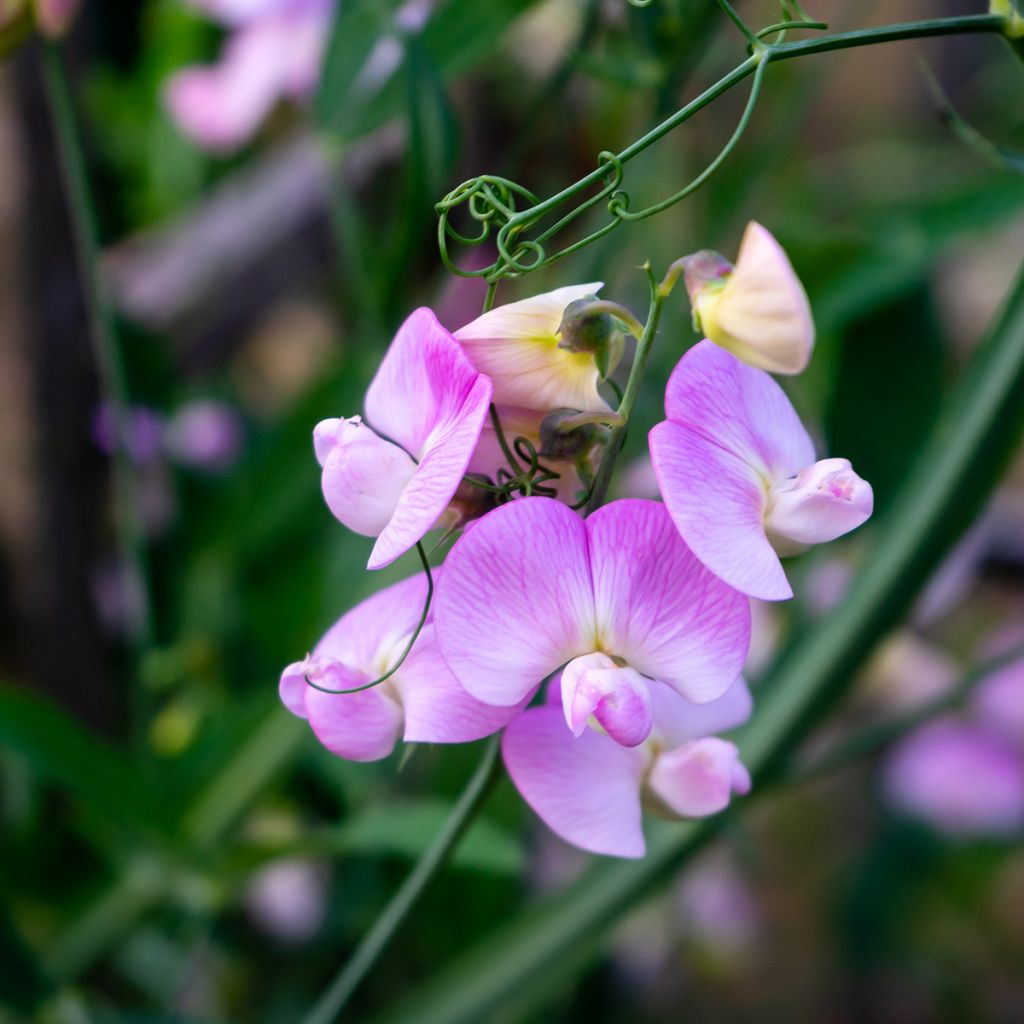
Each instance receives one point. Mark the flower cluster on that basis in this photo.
(607, 640)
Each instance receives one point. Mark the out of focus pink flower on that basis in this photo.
(205, 435)
(137, 431)
(962, 778)
(999, 702)
(54, 17)
(287, 900)
(274, 52)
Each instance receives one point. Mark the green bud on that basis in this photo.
(582, 329)
(558, 440)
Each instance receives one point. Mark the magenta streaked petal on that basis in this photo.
(658, 607)
(443, 462)
(698, 778)
(371, 636)
(437, 708)
(618, 697)
(717, 501)
(962, 779)
(740, 409)
(515, 600)
(586, 789)
(360, 726)
(677, 720)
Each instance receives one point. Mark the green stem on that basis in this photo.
(873, 737)
(390, 920)
(102, 326)
(599, 492)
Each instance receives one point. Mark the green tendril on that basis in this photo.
(408, 647)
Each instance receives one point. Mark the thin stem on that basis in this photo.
(599, 491)
(102, 327)
(739, 23)
(499, 431)
(408, 647)
(376, 939)
(615, 309)
(873, 737)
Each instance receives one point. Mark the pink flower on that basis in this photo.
(999, 701)
(274, 53)
(204, 434)
(737, 472)
(618, 599)
(421, 702)
(961, 778)
(758, 309)
(517, 346)
(589, 790)
(431, 404)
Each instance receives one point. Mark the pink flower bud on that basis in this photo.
(364, 475)
(820, 503)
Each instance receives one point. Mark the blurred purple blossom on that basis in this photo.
(204, 434)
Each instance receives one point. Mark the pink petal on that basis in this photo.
(677, 720)
(437, 708)
(698, 778)
(962, 779)
(999, 701)
(586, 789)
(619, 698)
(717, 502)
(740, 409)
(292, 688)
(371, 636)
(356, 726)
(658, 608)
(515, 600)
(443, 462)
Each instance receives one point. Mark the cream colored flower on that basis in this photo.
(516, 345)
(757, 309)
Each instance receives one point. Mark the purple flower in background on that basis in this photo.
(737, 472)
(421, 703)
(430, 405)
(963, 778)
(205, 435)
(142, 427)
(618, 600)
(589, 790)
(274, 52)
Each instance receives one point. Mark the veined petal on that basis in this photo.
(361, 726)
(437, 708)
(739, 409)
(658, 607)
(618, 697)
(446, 454)
(698, 778)
(516, 345)
(422, 385)
(677, 720)
(586, 789)
(515, 600)
(717, 502)
(761, 314)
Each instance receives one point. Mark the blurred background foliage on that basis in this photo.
(175, 847)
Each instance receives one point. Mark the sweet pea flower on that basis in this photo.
(274, 52)
(517, 346)
(421, 702)
(736, 469)
(757, 309)
(590, 790)
(960, 777)
(429, 404)
(618, 600)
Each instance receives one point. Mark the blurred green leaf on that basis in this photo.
(60, 750)
(23, 984)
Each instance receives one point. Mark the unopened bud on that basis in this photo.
(561, 438)
(583, 329)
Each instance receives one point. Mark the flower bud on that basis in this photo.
(557, 443)
(820, 503)
(696, 779)
(363, 475)
(618, 697)
(757, 309)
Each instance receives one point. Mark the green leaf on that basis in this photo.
(62, 752)
(517, 967)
